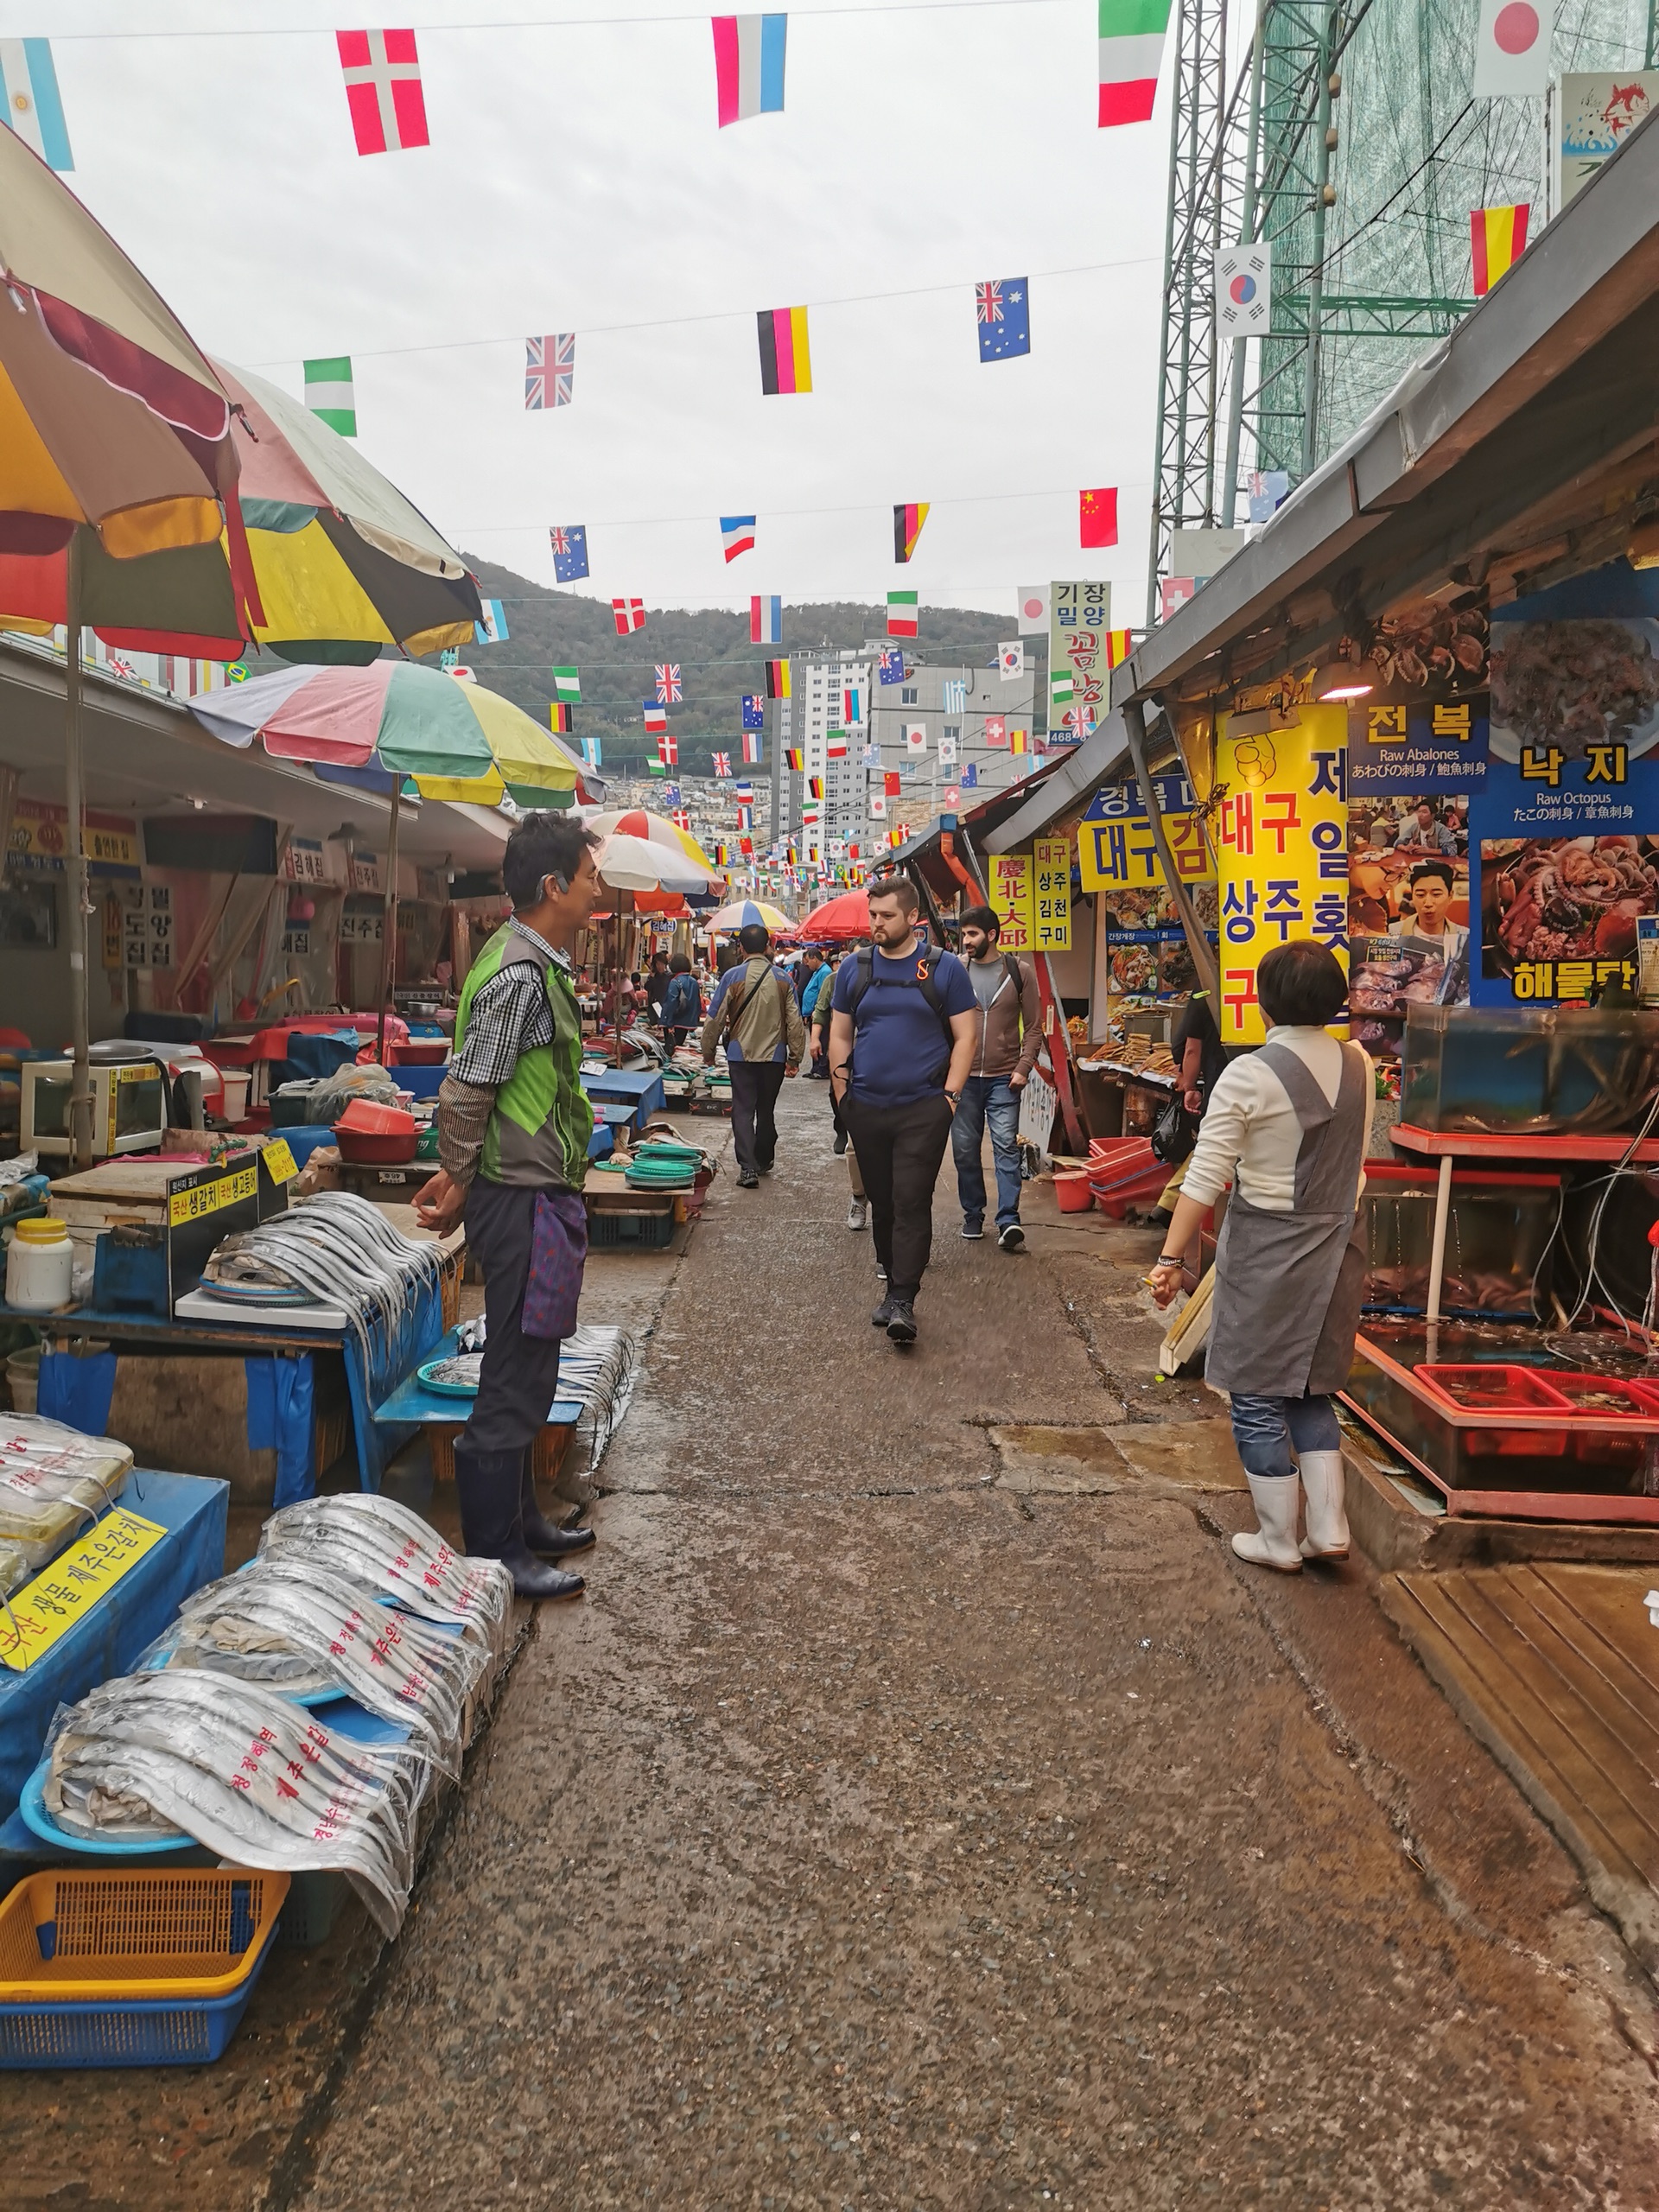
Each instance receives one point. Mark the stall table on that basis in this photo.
(442, 1415)
(641, 1090)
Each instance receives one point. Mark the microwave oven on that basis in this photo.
(129, 1106)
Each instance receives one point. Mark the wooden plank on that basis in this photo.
(1584, 1751)
(1618, 1668)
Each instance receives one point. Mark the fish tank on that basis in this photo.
(1499, 1229)
(1527, 1070)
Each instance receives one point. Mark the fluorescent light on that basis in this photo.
(1342, 679)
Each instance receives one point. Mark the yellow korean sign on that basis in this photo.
(280, 1163)
(1011, 899)
(212, 1197)
(65, 1592)
(1051, 895)
(1281, 854)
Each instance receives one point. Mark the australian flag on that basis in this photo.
(890, 669)
(670, 795)
(570, 552)
(755, 711)
(968, 779)
(1003, 309)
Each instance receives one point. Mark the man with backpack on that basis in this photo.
(1008, 1037)
(756, 1016)
(902, 1031)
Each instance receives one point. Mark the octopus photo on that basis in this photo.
(1573, 684)
(1569, 899)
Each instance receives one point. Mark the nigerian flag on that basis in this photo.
(328, 393)
(567, 684)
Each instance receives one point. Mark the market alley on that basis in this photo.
(923, 1810)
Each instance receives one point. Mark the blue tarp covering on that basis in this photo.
(77, 1390)
(128, 1617)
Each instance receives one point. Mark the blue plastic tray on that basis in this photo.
(140, 2031)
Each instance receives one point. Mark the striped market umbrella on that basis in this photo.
(654, 829)
(726, 920)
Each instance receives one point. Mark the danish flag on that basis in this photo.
(383, 89)
(630, 614)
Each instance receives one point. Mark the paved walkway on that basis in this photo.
(924, 1810)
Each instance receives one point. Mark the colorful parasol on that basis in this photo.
(655, 829)
(741, 915)
(838, 921)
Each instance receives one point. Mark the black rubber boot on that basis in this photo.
(488, 1487)
(540, 1534)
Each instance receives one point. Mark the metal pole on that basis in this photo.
(1316, 278)
(80, 1088)
(1204, 960)
(389, 921)
(1163, 351)
(1247, 235)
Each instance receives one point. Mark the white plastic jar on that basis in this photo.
(39, 1267)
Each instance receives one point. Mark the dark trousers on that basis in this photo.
(756, 1086)
(900, 1150)
(520, 1375)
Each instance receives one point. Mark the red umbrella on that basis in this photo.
(838, 920)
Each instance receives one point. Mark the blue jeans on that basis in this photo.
(1266, 1430)
(987, 1098)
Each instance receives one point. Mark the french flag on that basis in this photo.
(749, 65)
(656, 719)
(736, 535)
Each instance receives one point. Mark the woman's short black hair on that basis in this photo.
(679, 965)
(1300, 985)
(542, 845)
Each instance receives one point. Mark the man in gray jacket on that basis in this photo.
(756, 1016)
(1005, 1053)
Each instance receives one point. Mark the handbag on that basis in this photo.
(1174, 1133)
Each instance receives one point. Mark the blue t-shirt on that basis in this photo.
(900, 1047)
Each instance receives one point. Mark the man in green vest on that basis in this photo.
(514, 1125)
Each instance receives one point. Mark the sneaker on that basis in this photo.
(858, 1213)
(765, 1169)
(840, 1146)
(1011, 1239)
(901, 1322)
(748, 1181)
(884, 1312)
(972, 1229)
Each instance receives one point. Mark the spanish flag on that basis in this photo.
(1019, 740)
(785, 362)
(906, 528)
(1498, 236)
(1117, 647)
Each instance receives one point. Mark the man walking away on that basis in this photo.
(683, 1006)
(1010, 1034)
(755, 1016)
(901, 1041)
(514, 1125)
(656, 984)
(815, 992)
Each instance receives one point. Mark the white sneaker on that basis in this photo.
(858, 1213)
(1328, 1524)
(1273, 1544)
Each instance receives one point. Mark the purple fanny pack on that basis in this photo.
(558, 1253)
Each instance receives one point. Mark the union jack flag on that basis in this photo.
(550, 371)
(668, 683)
(987, 302)
(722, 764)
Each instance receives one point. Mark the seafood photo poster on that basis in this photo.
(1566, 830)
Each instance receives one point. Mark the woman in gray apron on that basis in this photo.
(1288, 1126)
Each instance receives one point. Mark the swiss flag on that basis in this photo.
(383, 89)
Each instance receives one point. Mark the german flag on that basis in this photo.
(559, 716)
(1499, 237)
(907, 528)
(778, 686)
(816, 786)
(785, 361)
(797, 756)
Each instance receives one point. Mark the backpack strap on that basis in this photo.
(864, 976)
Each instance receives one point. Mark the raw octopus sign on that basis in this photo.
(1566, 828)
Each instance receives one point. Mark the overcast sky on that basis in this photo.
(576, 180)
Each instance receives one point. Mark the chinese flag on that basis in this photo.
(1098, 519)
(891, 783)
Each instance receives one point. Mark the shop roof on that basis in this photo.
(979, 823)
(146, 754)
(1517, 451)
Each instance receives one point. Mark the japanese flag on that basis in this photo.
(916, 737)
(1033, 610)
(1512, 49)
(878, 805)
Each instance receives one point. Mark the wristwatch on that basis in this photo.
(955, 1097)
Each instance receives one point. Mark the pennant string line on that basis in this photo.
(531, 22)
(718, 314)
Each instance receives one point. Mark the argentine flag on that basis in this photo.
(28, 98)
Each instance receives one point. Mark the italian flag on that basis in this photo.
(1131, 51)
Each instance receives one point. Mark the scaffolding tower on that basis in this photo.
(1344, 133)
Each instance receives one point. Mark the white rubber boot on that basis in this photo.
(1328, 1524)
(1274, 1544)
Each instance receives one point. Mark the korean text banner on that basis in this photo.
(1146, 945)
(1051, 895)
(1079, 645)
(1566, 827)
(1281, 854)
(1011, 897)
(1415, 744)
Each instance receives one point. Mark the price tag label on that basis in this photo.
(65, 1592)
(184, 1206)
(280, 1160)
